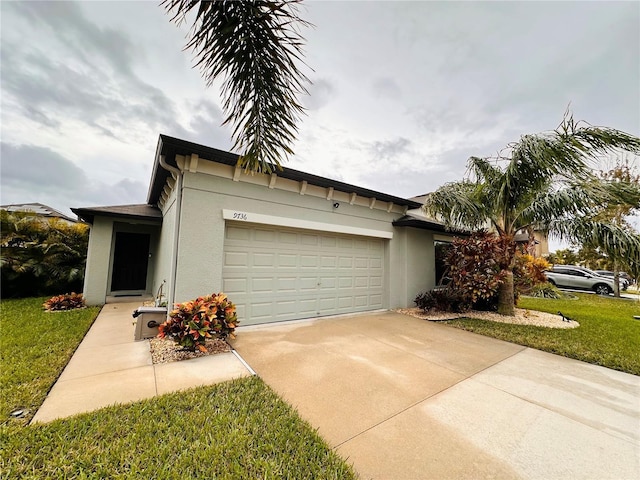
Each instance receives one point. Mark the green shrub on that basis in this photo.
(192, 322)
(445, 299)
(68, 301)
(545, 290)
(40, 256)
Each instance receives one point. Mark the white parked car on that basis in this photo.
(579, 278)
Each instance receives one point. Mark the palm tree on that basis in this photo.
(256, 46)
(542, 182)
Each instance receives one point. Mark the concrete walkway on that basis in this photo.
(109, 367)
(403, 398)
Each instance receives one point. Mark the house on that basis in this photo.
(41, 211)
(284, 246)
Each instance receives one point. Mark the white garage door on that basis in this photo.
(276, 274)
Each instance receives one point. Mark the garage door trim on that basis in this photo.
(248, 217)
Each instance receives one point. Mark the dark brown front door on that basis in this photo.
(130, 259)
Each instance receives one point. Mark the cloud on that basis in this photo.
(72, 69)
(36, 174)
(321, 92)
(386, 87)
(390, 150)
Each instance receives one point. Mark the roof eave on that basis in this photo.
(170, 147)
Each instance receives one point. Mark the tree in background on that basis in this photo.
(542, 182)
(565, 256)
(41, 256)
(256, 47)
(616, 213)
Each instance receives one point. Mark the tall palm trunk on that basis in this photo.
(506, 295)
(616, 279)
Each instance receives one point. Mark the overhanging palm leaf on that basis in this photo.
(257, 48)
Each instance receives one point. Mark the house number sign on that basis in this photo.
(240, 216)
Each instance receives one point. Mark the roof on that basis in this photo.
(130, 212)
(38, 209)
(418, 219)
(170, 147)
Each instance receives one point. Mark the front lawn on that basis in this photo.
(608, 334)
(234, 430)
(34, 349)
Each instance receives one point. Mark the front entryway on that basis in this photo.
(130, 261)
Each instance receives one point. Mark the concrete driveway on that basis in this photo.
(403, 398)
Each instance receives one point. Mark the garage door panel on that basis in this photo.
(362, 282)
(345, 282)
(236, 259)
(375, 263)
(361, 300)
(328, 261)
(345, 242)
(309, 261)
(308, 283)
(345, 262)
(235, 233)
(308, 239)
(263, 260)
(328, 283)
(234, 285)
(328, 242)
(284, 274)
(375, 301)
(309, 306)
(359, 244)
(286, 284)
(287, 260)
(262, 285)
(268, 236)
(345, 302)
(361, 263)
(327, 304)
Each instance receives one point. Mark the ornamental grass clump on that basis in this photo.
(68, 301)
(192, 322)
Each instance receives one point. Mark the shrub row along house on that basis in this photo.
(284, 246)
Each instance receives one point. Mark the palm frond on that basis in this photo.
(617, 242)
(257, 48)
(458, 205)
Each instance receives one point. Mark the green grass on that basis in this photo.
(608, 334)
(35, 346)
(234, 430)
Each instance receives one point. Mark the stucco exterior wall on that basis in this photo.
(98, 260)
(409, 265)
(164, 256)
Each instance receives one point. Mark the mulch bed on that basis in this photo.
(164, 350)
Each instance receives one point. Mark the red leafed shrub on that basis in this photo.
(68, 301)
(476, 266)
(192, 322)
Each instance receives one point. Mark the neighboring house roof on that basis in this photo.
(420, 198)
(170, 147)
(38, 209)
(135, 212)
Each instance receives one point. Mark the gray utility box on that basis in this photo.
(147, 321)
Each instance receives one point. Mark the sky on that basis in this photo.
(402, 93)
